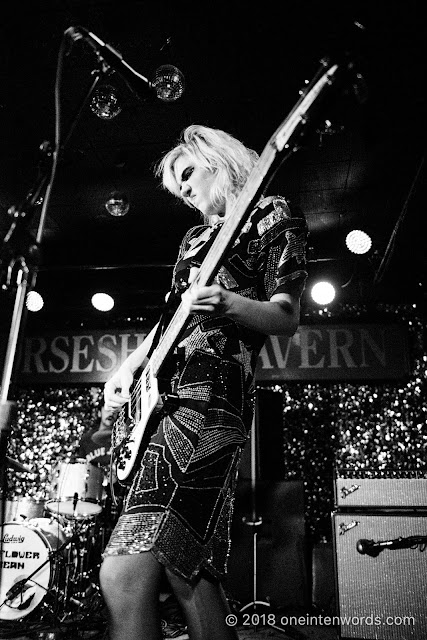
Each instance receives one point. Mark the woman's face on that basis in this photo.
(195, 183)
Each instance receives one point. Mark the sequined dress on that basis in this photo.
(180, 503)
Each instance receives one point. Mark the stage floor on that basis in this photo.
(245, 632)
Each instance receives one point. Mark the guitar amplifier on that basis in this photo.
(381, 493)
(381, 575)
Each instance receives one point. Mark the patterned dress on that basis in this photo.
(180, 503)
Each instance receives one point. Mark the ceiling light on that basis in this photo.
(168, 83)
(117, 204)
(34, 301)
(358, 241)
(102, 301)
(105, 102)
(323, 292)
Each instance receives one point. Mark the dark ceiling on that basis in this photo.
(243, 67)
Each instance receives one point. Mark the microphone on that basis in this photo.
(75, 501)
(169, 82)
(370, 547)
(373, 549)
(17, 588)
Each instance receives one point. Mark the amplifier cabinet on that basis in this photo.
(386, 493)
(383, 594)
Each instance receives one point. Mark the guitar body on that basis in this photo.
(131, 425)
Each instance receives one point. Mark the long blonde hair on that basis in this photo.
(216, 151)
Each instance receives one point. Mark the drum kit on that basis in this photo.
(51, 552)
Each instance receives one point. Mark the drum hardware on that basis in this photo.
(17, 466)
(62, 589)
(19, 588)
(59, 591)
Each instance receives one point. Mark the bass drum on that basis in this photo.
(27, 566)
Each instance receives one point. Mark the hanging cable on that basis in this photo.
(390, 246)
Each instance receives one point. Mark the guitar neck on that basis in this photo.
(243, 206)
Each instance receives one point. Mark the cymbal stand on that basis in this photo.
(80, 583)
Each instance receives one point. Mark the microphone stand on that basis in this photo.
(254, 521)
(21, 265)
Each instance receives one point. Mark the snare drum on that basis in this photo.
(23, 508)
(76, 490)
(26, 551)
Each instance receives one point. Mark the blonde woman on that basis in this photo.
(178, 511)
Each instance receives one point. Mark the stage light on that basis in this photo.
(102, 301)
(323, 292)
(117, 204)
(34, 301)
(105, 102)
(358, 241)
(169, 83)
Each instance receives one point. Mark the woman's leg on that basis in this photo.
(130, 585)
(205, 608)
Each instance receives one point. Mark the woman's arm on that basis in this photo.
(116, 389)
(277, 316)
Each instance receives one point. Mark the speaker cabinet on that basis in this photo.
(382, 593)
(281, 562)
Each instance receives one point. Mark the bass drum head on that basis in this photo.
(25, 552)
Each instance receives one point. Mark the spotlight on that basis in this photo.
(168, 83)
(102, 301)
(34, 301)
(358, 241)
(323, 292)
(117, 204)
(105, 102)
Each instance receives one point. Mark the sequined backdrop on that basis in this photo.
(361, 429)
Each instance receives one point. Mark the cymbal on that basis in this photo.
(102, 437)
(17, 466)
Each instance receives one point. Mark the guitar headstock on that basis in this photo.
(298, 117)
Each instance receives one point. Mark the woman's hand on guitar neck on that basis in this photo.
(211, 300)
(116, 389)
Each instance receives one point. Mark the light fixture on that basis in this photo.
(358, 241)
(105, 102)
(323, 292)
(169, 83)
(34, 301)
(117, 204)
(102, 301)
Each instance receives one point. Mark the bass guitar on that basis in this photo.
(130, 426)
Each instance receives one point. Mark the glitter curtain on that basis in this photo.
(48, 428)
(372, 429)
(355, 430)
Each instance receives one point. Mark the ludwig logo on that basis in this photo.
(7, 538)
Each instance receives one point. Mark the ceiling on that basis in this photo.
(243, 70)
